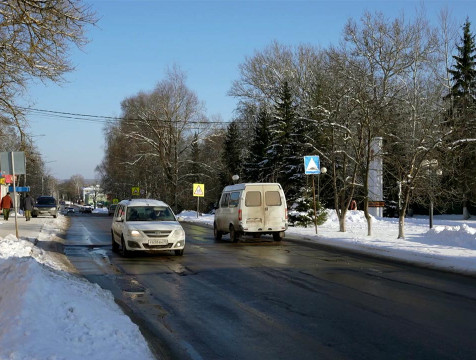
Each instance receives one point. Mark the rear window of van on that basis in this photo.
(253, 198)
(272, 198)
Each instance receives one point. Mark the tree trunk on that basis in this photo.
(466, 214)
(369, 222)
(342, 221)
(401, 226)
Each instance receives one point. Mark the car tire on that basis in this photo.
(216, 234)
(234, 235)
(277, 236)
(179, 252)
(124, 251)
(115, 245)
(54, 216)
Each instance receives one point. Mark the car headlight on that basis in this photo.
(134, 232)
(179, 233)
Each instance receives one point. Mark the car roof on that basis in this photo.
(143, 202)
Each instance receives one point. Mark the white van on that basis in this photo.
(251, 208)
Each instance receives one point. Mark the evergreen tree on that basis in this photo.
(231, 157)
(256, 165)
(463, 119)
(463, 73)
(195, 159)
(285, 150)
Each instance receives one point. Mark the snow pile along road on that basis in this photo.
(46, 313)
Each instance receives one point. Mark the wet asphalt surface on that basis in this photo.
(259, 299)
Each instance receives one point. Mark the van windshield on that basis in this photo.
(149, 213)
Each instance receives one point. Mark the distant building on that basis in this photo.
(93, 195)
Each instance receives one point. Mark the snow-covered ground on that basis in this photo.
(46, 312)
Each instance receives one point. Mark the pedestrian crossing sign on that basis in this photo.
(135, 191)
(199, 190)
(312, 165)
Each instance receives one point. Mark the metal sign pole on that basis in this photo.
(14, 196)
(314, 197)
(198, 205)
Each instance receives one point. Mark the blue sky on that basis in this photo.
(135, 41)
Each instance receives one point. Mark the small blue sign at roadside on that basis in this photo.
(312, 165)
(19, 189)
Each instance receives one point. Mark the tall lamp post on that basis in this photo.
(323, 172)
(432, 170)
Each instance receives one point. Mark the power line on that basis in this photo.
(106, 119)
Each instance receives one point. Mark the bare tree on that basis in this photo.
(161, 124)
(35, 37)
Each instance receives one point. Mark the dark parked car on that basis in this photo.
(111, 209)
(45, 205)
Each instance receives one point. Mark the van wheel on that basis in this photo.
(124, 251)
(179, 252)
(115, 245)
(234, 235)
(277, 236)
(217, 234)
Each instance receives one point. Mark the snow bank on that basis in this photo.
(46, 313)
(461, 236)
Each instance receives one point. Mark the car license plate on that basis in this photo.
(158, 242)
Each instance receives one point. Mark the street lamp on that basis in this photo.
(323, 172)
(432, 170)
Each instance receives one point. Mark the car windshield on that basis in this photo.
(46, 201)
(149, 213)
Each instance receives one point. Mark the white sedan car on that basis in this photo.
(146, 225)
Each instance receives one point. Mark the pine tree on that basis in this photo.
(231, 157)
(463, 73)
(285, 150)
(195, 158)
(463, 119)
(256, 165)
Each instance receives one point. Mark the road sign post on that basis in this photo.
(312, 167)
(13, 162)
(198, 191)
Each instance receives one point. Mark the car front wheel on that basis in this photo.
(115, 245)
(124, 251)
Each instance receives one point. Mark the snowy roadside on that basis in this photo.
(46, 312)
(449, 246)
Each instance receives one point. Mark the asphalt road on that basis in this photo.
(259, 299)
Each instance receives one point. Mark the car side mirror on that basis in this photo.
(119, 219)
(180, 218)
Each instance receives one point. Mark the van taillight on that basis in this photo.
(240, 215)
(286, 213)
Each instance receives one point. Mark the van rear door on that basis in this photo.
(274, 207)
(253, 213)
